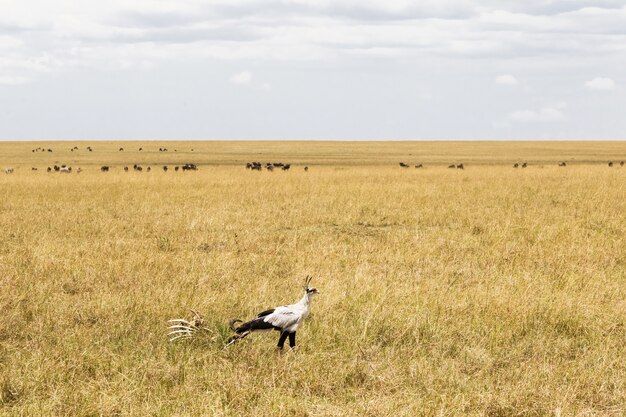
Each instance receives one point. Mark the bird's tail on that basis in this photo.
(246, 328)
(232, 323)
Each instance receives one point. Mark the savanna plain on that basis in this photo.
(484, 291)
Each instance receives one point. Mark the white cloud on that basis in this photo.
(13, 80)
(244, 77)
(506, 80)
(545, 114)
(601, 84)
(336, 53)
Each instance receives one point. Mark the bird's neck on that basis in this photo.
(305, 300)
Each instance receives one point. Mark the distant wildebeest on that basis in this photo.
(125, 169)
(121, 149)
(306, 169)
(57, 168)
(139, 168)
(621, 163)
(140, 149)
(460, 166)
(176, 168)
(610, 163)
(286, 167)
(452, 166)
(419, 166)
(72, 150)
(9, 170)
(49, 169)
(79, 170)
(190, 167)
(562, 164)
(49, 150)
(525, 164)
(89, 149)
(66, 170)
(148, 169)
(165, 168)
(33, 169)
(104, 168)
(269, 167)
(403, 165)
(515, 165)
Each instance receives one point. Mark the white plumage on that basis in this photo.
(286, 319)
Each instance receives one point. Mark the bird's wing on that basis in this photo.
(266, 312)
(283, 317)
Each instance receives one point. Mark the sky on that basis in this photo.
(313, 69)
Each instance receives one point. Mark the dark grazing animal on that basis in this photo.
(525, 164)
(165, 168)
(104, 168)
(452, 166)
(286, 167)
(515, 165)
(419, 166)
(190, 167)
(611, 164)
(562, 164)
(403, 165)
(460, 166)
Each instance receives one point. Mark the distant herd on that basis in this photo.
(257, 166)
(253, 166)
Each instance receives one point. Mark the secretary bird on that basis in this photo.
(285, 319)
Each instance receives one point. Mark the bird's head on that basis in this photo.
(307, 288)
(312, 291)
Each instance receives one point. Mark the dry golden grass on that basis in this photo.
(484, 292)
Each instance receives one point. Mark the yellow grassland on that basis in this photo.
(488, 291)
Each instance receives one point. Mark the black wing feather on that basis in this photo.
(266, 313)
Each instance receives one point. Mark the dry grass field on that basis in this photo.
(488, 291)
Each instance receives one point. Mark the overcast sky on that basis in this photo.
(313, 69)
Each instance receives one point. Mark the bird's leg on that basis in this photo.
(292, 340)
(281, 341)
